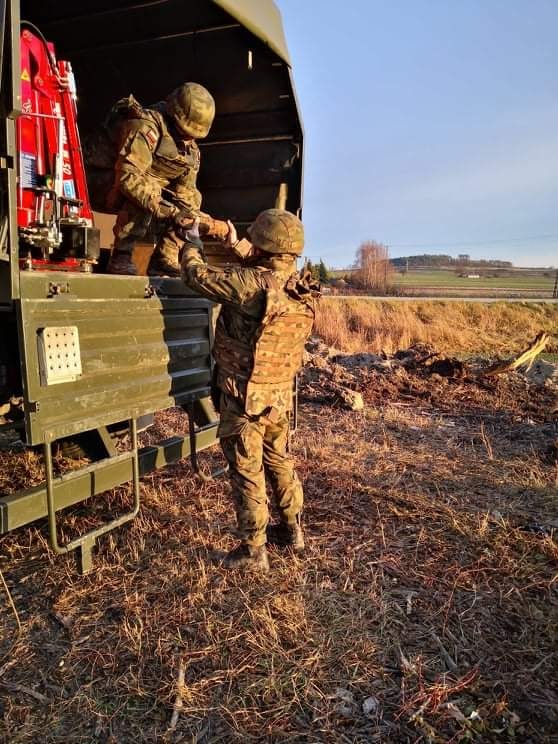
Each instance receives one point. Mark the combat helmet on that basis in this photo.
(277, 231)
(193, 109)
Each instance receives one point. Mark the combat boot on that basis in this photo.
(284, 535)
(121, 262)
(164, 263)
(248, 558)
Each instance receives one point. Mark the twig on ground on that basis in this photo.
(486, 442)
(178, 701)
(10, 601)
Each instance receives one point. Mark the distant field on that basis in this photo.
(443, 278)
(440, 278)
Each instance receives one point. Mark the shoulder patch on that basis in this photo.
(151, 137)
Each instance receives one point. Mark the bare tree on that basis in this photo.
(374, 271)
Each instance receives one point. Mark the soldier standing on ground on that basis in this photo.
(143, 166)
(266, 317)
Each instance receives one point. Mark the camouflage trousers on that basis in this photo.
(134, 224)
(255, 448)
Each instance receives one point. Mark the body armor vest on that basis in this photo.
(265, 365)
(168, 162)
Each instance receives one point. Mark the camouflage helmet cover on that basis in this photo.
(193, 109)
(277, 231)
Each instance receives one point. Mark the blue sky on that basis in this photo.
(431, 126)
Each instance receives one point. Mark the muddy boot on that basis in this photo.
(248, 558)
(121, 262)
(164, 262)
(285, 535)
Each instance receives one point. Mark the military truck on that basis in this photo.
(86, 356)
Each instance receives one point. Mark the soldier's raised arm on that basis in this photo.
(233, 285)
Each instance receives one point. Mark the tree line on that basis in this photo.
(373, 270)
(427, 260)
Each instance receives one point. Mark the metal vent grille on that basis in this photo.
(59, 354)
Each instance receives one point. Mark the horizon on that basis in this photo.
(552, 267)
(428, 126)
(454, 257)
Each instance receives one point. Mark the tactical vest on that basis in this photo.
(266, 365)
(169, 163)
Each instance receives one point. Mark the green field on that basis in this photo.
(441, 278)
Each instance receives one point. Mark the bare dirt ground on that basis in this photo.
(424, 610)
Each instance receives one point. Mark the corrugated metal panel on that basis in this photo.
(138, 354)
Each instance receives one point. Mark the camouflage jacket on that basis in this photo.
(254, 366)
(150, 160)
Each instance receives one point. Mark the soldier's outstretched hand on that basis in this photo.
(232, 238)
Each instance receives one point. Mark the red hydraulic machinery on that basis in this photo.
(54, 215)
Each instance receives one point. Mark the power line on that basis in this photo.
(479, 243)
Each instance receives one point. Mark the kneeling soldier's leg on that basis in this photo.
(164, 261)
(132, 225)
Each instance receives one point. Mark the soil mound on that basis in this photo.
(420, 373)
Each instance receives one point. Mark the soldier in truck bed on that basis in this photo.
(143, 166)
(266, 316)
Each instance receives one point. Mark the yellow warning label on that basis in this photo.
(25, 75)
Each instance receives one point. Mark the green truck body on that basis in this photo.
(85, 352)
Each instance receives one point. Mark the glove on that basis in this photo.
(187, 227)
(192, 234)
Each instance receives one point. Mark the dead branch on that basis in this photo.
(526, 358)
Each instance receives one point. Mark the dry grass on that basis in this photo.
(456, 327)
(423, 597)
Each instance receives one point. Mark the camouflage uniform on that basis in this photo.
(266, 315)
(156, 160)
(151, 160)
